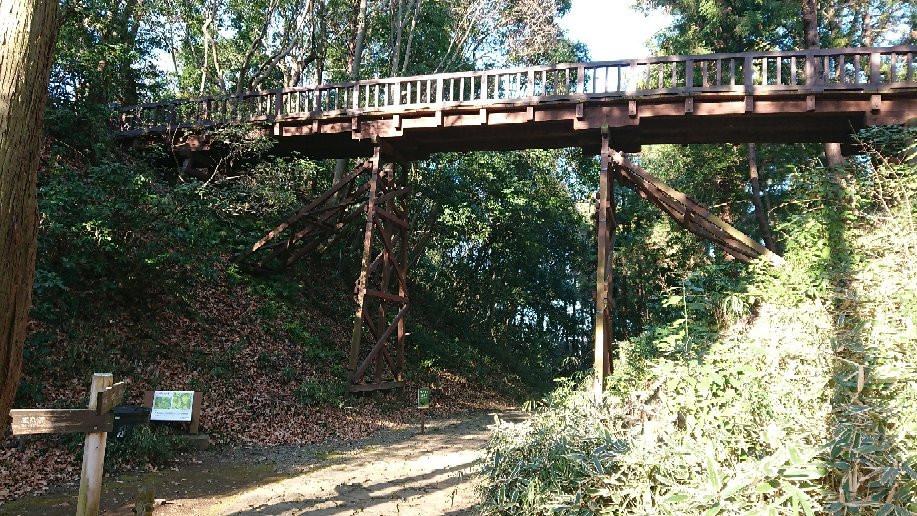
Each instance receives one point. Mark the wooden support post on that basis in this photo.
(402, 285)
(357, 335)
(93, 455)
(601, 281)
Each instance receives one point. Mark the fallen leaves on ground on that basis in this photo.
(248, 369)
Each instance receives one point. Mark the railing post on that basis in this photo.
(875, 75)
(581, 80)
(748, 71)
(810, 70)
(278, 104)
(632, 79)
(355, 91)
(439, 91)
(689, 75)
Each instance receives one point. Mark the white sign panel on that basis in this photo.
(172, 406)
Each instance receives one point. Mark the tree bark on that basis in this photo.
(760, 212)
(810, 23)
(28, 29)
(341, 164)
(833, 155)
(407, 50)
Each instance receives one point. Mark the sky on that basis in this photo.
(611, 28)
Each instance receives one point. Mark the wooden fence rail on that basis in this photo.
(749, 73)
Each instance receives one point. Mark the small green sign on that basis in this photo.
(423, 397)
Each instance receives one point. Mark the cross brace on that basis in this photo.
(381, 291)
(686, 211)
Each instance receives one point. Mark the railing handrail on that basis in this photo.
(356, 94)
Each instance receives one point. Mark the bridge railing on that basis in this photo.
(754, 73)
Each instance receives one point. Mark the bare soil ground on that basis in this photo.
(392, 472)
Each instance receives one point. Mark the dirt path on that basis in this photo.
(430, 473)
(392, 472)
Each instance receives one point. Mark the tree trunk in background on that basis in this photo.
(341, 164)
(810, 23)
(28, 29)
(760, 212)
(833, 154)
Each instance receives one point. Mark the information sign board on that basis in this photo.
(423, 397)
(172, 406)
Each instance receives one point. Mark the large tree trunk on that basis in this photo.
(833, 154)
(28, 29)
(358, 38)
(760, 212)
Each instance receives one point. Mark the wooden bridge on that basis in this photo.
(603, 107)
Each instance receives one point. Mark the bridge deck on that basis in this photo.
(792, 96)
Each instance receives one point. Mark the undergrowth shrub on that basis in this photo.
(143, 445)
(789, 391)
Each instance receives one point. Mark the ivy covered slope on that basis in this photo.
(780, 391)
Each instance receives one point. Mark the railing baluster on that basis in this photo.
(719, 72)
(893, 69)
(704, 74)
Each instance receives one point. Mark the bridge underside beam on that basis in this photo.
(786, 118)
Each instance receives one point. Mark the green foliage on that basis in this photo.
(144, 445)
(321, 392)
(507, 252)
(784, 392)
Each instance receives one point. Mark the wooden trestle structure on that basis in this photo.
(381, 290)
(605, 107)
(687, 212)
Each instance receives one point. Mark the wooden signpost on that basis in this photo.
(95, 421)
